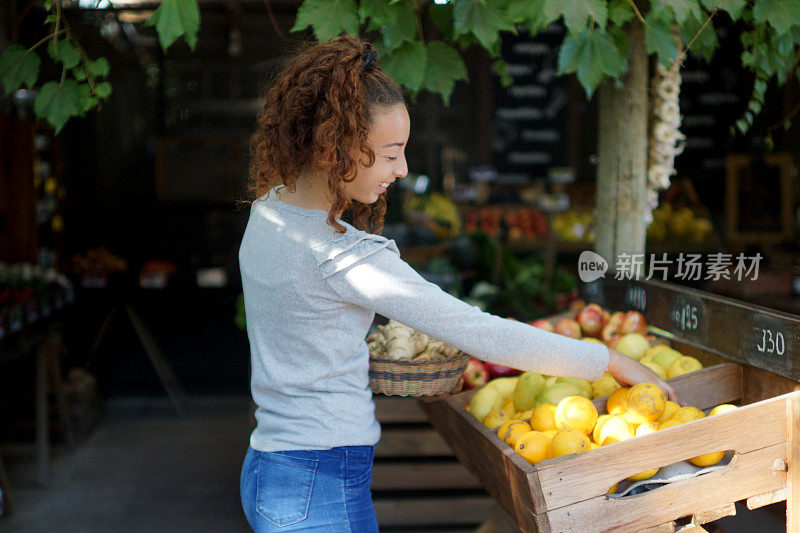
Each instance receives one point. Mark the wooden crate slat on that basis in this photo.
(704, 388)
(754, 502)
(704, 517)
(503, 473)
(735, 330)
(430, 511)
(395, 409)
(428, 476)
(793, 463)
(675, 500)
(592, 473)
(759, 385)
(411, 442)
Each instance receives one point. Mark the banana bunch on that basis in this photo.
(444, 219)
(397, 341)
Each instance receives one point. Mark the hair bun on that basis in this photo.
(369, 59)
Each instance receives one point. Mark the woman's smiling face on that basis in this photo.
(387, 137)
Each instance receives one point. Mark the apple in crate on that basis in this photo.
(475, 374)
(543, 324)
(500, 371)
(568, 328)
(591, 321)
(611, 329)
(633, 322)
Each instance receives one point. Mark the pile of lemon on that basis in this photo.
(574, 425)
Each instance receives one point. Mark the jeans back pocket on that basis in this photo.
(283, 487)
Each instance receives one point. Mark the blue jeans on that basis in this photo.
(309, 490)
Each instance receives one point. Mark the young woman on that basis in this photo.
(331, 140)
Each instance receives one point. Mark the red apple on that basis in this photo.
(543, 324)
(568, 328)
(612, 326)
(633, 322)
(591, 321)
(606, 315)
(475, 374)
(500, 371)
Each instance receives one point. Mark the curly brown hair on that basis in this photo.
(317, 115)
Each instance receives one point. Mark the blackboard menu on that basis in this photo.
(712, 97)
(529, 121)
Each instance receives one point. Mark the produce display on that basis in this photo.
(681, 224)
(398, 341)
(518, 223)
(623, 331)
(543, 417)
(28, 293)
(574, 226)
(440, 212)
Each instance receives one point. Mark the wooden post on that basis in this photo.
(793, 465)
(622, 169)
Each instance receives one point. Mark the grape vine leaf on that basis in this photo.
(442, 17)
(327, 18)
(593, 55)
(658, 39)
(444, 67)
(780, 14)
(619, 12)
(733, 7)
(103, 90)
(531, 14)
(65, 52)
(377, 12)
(98, 67)
(401, 26)
(174, 18)
(706, 43)
(18, 66)
(57, 103)
(684, 9)
(407, 65)
(484, 19)
(577, 12)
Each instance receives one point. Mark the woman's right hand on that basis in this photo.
(629, 371)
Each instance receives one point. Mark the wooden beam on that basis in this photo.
(622, 148)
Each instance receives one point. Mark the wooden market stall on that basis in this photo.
(750, 355)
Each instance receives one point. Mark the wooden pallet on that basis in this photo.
(417, 483)
(569, 493)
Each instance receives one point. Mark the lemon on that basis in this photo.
(567, 441)
(576, 412)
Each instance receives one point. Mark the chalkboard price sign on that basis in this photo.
(768, 339)
(636, 297)
(593, 292)
(687, 313)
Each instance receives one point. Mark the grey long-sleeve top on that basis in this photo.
(310, 297)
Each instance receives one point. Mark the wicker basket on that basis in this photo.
(415, 378)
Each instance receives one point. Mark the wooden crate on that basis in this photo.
(417, 483)
(568, 494)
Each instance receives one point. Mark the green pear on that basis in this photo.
(584, 385)
(485, 400)
(505, 386)
(550, 380)
(528, 387)
(555, 393)
(665, 358)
